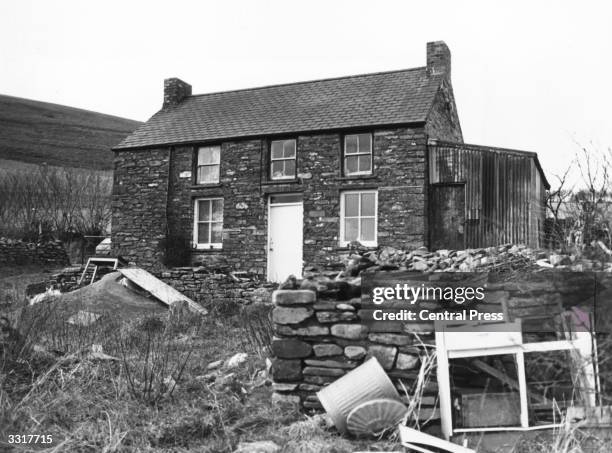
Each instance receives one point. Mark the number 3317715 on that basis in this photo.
(30, 439)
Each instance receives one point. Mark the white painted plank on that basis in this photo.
(410, 436)
(160, 290)
(444, 390)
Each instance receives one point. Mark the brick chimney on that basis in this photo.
(438, 59)
(175, 90)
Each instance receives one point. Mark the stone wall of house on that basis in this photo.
(244, 206)
(443, 119)
(14, 252)
(140, 195)
(399, 175)
(320, 336)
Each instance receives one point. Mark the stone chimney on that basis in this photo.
(175, 90)
(438, 59)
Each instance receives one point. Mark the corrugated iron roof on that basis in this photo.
(384, 98)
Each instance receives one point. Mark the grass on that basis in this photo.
(39, 132)
(158, 395)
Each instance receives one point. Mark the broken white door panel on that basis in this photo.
(160, 290)
(417, 440)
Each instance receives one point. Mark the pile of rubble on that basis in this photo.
(504, 257)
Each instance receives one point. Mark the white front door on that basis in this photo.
(285, 237)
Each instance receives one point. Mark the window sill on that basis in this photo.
(280, 181)
(346, 248)
(205, 186)
(207, 250)
(356, 177)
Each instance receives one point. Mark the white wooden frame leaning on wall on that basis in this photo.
(453, 342)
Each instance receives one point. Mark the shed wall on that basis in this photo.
(504, 192)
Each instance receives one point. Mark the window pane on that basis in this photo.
(217, 207)
(367, 230)
(351, 205)
(365, 162)
(368, 204)
(289, 148)
(351, 164)
(290, 168)
(364, 143)
(208, 174)
(350, 144)
(217, 233)
(203, 210)
(208, 155)
(277, 149)
(277, 168)
(350, 229)
(203, 231)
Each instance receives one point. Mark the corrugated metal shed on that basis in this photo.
(503, 193)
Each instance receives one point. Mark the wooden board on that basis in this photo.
(160, 290)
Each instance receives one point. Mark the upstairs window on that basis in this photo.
(358, 154)
(208, 223)
(282, 159)
(358, 217)
(207, 171)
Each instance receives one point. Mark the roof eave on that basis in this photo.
(267, 135)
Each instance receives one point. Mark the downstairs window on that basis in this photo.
(208, 223)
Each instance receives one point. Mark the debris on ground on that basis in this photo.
(214, 365)
(97, 353)
(420, 441)
(365, 383)
(262, 446)
(108, 295)
(236, 360)
(160, 290)
(597, 416)
(506, 256)
(375, 417)
(83, 318)
(48, 294)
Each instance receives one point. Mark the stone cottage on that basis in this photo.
(269, 179)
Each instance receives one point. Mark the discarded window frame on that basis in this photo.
(453, 342)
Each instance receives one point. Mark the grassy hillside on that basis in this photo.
(38, 132)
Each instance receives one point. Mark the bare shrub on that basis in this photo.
(255, 321)
(54, 201)
(153, 360)
(580, 205)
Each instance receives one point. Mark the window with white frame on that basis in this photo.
(208, 163)
(282, 159)
(208, 223)
(358, 154)
(358, 217)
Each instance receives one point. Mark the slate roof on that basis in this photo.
(384, 98)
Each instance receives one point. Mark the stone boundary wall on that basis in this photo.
(196, 283)
(319, 337)
(14, 252)
(207, 288)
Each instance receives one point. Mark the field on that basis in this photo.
(168, 386)
(38, 132)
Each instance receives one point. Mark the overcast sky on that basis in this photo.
(528, 75)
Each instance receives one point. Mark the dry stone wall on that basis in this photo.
(15, 252)
(321, 334)
(218, 289)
